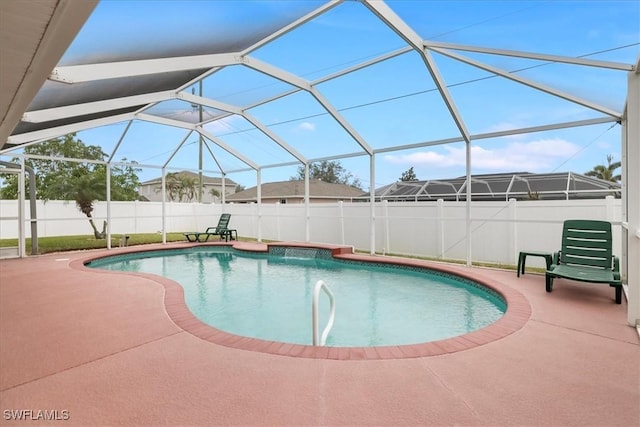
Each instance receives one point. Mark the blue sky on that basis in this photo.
(392, 103)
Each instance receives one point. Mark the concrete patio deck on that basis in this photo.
(97, 348)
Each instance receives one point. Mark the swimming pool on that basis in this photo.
(268, 296)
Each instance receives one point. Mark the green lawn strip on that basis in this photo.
(72, 243)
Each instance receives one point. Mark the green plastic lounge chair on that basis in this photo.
(222, 230)
(586, 256)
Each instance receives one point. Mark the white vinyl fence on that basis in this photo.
(428, 229)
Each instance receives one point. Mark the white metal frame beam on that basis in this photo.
(292, 26)
(44, 134)
(529, 83)
(115, 149)
(175, 151)
(306, 86)
(215, 159)
(39, 116)
(389, 18)
(208, 102)
(275, 138)
(240, 112)
(498, 134)
(227, 148)
(111, 70)
(165, 121)
(341, 121)
(429, 44)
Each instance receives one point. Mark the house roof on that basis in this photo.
(502, 186)
(205, 179)
(295, 189)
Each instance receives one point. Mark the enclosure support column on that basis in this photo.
(164, 208)
(440, 208)
(307, 231)
(200, 144)
(259, 197)
(108, 205)
(372, 201)
(22, 250)
(223, 197)
(631, 194)
(32, 202)
(468, 202)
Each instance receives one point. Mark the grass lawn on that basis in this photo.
(72, 243)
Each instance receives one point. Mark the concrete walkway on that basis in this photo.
(96, 348)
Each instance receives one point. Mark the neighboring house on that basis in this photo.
(293, 192)
(152, 190)
(503, 186)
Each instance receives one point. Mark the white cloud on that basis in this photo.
(534, 156)
(306, 126)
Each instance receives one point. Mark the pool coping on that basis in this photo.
(516, 316)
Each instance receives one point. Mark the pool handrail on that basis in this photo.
(314, 313)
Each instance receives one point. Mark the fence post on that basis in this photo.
(513, 230)
(278, 221)
(608, 202)
(135, 218)
(341, 219)
(440, 215)
(387, 241)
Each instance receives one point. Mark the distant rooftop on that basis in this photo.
(205, 179)
(294, 189)
(503, 186)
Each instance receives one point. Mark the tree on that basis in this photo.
(606, 172)
(408, 175)
(187, 188)
(85, 189)
(214, 192)
(83, 182)
(180, 187)
(124, 180)
(329, 171)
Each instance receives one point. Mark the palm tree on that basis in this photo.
(188, 188)
(85, 189)
(214, 192)
(606, 173)
(172, 182)
(180, 187)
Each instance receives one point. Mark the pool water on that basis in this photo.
(270, 297)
